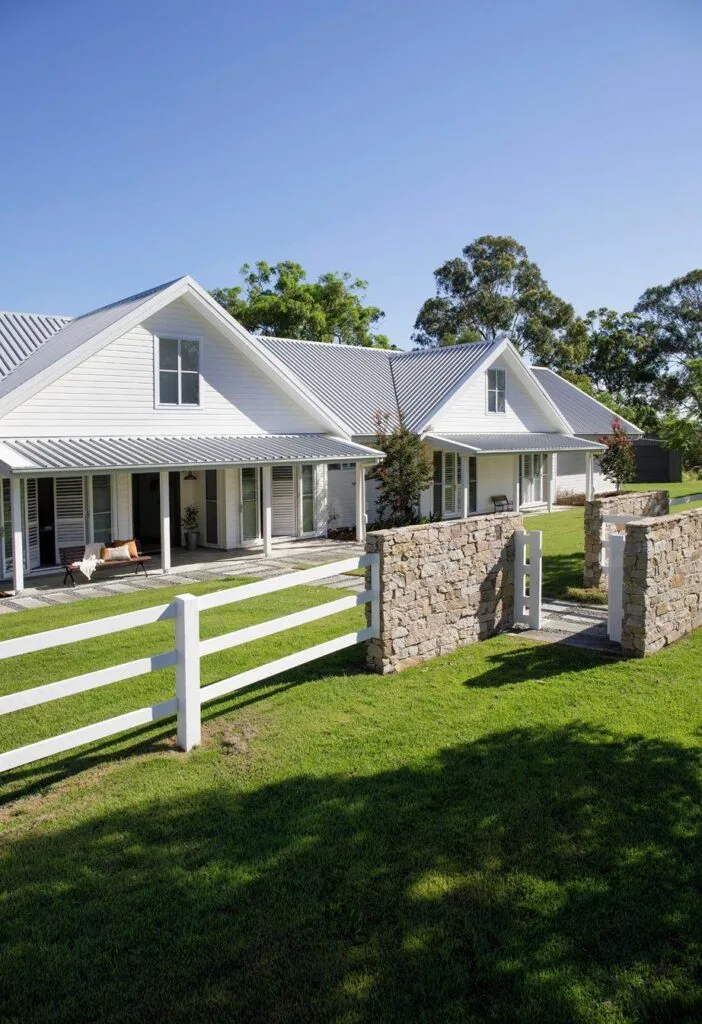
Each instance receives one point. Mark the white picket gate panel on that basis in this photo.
(615, 588)
(186, 656)
(528, 572)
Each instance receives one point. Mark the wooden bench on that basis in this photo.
(501, 503)
(72, 557)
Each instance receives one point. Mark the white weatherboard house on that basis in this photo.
(113, 422)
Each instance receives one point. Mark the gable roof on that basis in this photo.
(354, 381)
(584, 414)
(87, 334)
(23, 333)
(357, 382)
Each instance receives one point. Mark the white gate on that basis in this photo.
(615, 586)
(528, 577)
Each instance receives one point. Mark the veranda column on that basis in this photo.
(515, 482)
(165, 522)
(589, 481)
(360, 503)
(465, 474)
(550, 479)
(17, 534)
(267, 511)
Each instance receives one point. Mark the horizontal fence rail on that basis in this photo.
(186, 657)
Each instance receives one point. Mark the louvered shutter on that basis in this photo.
(31, 505)
(283, 501)
(70, 512)
(6, 529)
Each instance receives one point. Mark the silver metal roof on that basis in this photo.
(584, 414)
(23, 333)
(43, 454)
(494, 444)
(353, 381)
(424, 378)
(71, 336)
(356, 382)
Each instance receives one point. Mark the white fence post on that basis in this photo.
(615, 598)
(519, 574)
(187, 635)
(535, 577)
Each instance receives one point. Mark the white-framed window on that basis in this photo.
(496, 390)
(533, 468)
(448, 484)
(178, 371)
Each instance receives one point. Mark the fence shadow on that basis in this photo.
(539, 874)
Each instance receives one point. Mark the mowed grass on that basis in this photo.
(564, 558)
(508, 833)
(676, 490)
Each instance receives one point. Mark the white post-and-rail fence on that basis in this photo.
(189, 649)
(527, 599)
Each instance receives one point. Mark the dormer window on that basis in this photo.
(496, 390)
(178, 371)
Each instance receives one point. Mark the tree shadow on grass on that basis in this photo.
(536, 875)
(534, 662)
(560, 572)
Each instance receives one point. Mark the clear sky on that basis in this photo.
(146, 139)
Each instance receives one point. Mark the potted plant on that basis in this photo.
(191, 526)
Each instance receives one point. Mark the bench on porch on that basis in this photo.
(71, 558)
(501, 503)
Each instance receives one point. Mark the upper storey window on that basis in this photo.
(178, 371)
(496, 390)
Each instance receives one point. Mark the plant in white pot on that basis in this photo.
(191, 526)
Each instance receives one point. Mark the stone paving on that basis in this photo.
(45, 591)
(575, 625)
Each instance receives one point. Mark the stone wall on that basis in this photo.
(442, 586)
(662, 581)
(641, 503)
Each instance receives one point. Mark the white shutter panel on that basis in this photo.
(6, 529)
(31, 506)
(283, 502)
(70, 512)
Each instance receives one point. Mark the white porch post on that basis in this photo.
(464, 479)
(589, 480)
(165, 522)
(17, 534)
(550, 479)
(515, 482)
(360, 503)
(267, 511)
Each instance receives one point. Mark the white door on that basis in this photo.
(532, 479)
(283, 519)
(250, 507)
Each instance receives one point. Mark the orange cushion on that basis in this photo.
(131, 544)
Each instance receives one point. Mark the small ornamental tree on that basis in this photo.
(617, 461)
(405, 472)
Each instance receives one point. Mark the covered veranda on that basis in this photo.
(246, 469)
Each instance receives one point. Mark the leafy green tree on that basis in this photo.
(405, 472)
(493, 288)
(623, 359)
(617, 461)
(279, 300)
(673, 313)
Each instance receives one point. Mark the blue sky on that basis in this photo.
(143, 140)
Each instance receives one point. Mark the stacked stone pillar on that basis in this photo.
(635, 503)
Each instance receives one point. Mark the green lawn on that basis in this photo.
(675, 490)
(564, 558)
(508, 834)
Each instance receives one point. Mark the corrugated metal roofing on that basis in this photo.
(23, 333)
(585, 414)
(495, 444)
(90, 453)
(354, 382)
(424, 378)
(72, 336)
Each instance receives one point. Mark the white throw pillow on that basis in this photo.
(92, 551)
(117, 554)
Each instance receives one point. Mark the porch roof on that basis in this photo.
(505, 444)
(70, 454)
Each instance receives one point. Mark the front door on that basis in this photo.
(250, 505)
(146, 510)
(532, 478)
(283, 521)
(211, 511)
(47, 521)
